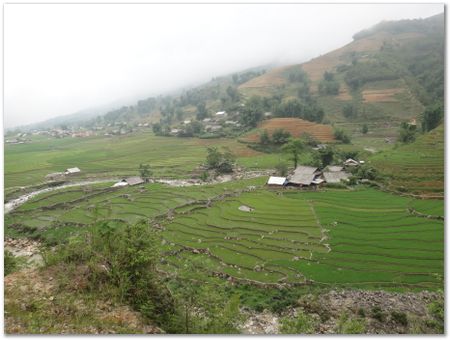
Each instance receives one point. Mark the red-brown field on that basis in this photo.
(296, 128)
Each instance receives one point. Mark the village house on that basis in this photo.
(135, 180)
(71, 171)
(304, 176)
(276, 181)
(221, 114)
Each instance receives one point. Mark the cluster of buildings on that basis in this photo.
(308, 176)
(213, 124)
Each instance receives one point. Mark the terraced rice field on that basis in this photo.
(243, 231)
(249, 245)
(296, 127)
(417, 167)
(55, 215)
(375, 241)
(363, 238)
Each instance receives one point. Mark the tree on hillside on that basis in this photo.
(342, 136)
(252, 113)
(294, 148)
(432, 117)
(202, 113)
(365, 129)
(145, 172)
(157, 128)
(233, 93)
(325, 156)
(222, 162)
(407, 133)
(264, 138)
(350, 111)
(328, 86)
(282, 169)
(280, 136)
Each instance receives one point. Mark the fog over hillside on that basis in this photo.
(60, 59)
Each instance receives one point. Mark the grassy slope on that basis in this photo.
(419, 166)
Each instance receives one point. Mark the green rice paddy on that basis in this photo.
(416, 167)
(361, 238)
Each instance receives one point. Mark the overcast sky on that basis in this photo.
(59, 59)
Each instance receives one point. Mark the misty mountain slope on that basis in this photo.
(392, 71)
(216, 95)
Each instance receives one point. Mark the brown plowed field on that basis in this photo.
(296, 128)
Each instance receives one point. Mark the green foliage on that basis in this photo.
(294, 148)
(240, 78)
(325, 156)
(122, 260)
(301, 324)
(366, 171)
(280, 136)
(202, 112)
(157, 128)
(297, 109)
(407, 133)
(378, 314)
(10, 263)
(222, 162)
(204, 176)
(329, 86)
(348, 325)
(362, 73)
(399, 317)
(298, 76)
(252, 112)
(264, 138)
(432, 117)
(342, 136)
(364, 129)
(437, 311)
(144, 171)
(350, 111)
(282, 169)
(233, 93)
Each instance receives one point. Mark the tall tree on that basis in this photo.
(294, 148)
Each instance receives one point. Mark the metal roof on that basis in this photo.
(274, 180)
(134, 180)
(73, 170)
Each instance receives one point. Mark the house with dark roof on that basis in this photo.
(304, 176)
